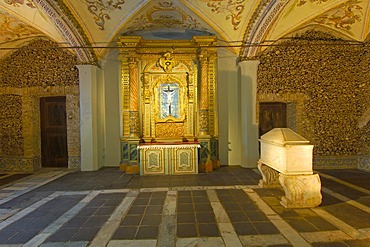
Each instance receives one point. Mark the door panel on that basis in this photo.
(54, 150)
(271, 115)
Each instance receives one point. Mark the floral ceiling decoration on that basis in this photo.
(101, 9)
(300, 3)
(17, 3)
(245, 27)
(342, 17)
(12, 29)
(233, 8)
(303, 2)
(165, 14)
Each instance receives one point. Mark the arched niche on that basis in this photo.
(168, 108)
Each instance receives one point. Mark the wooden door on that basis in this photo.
(54, 151)
(271, 115)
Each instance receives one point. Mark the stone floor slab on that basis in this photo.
(223, 208)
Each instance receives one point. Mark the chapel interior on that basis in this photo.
(181, 86)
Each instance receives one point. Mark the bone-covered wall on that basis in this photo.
(328, 79)
(38, 69)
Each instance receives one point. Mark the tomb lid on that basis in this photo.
(284, 136)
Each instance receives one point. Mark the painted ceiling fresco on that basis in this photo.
(242, 25)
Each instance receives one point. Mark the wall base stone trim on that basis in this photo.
(17, 164)
(74, 162)
(335, 162)
(364, 162)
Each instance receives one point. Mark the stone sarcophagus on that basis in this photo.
(286, 159)
(286, 151)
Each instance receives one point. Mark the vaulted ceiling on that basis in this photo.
(89, 28)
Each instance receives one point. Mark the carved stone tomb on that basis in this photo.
(286, 158)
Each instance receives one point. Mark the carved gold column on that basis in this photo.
(208, 126)
(203, 106)
(125, 92)
(130, 103)
(212, 92)
(129, 86)
(207, 56)
(134, 97)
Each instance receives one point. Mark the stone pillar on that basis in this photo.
(228, 108)
(249, 126)
(88, 80)
(111, 68)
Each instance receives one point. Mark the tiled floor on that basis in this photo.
(223, 208)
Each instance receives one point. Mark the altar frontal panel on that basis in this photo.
(168, 159)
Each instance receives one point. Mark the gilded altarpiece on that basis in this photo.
(168, 104)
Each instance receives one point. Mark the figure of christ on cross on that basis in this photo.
(169, 92)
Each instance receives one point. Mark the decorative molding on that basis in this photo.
(254, 19)
(233, 8)
(165, 146)
(259, 25)
(101, 10)
(69, 27)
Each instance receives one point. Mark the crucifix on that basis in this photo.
(169, 92)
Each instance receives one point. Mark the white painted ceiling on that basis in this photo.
(89, 27)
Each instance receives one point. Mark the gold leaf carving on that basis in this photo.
(169, 130)
(167, 62)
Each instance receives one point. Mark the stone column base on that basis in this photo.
(301, 191)
(270, 177)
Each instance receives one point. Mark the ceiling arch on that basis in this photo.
(91, 27)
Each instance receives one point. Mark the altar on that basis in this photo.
(168, 158)
(169, 106)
